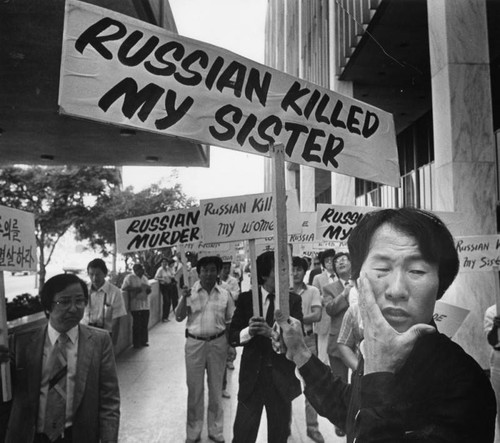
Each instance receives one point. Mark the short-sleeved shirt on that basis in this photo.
(140, 301)
(351, 331)
(310, 297)
(209, 313)
(105, 304)
(232, 285)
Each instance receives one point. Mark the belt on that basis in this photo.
(209, 338)
(311, 332)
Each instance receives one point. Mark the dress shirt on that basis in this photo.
(208, 313)
(72, 357)
(245, 336)
(105, 304)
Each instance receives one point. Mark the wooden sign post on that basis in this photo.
(254, 278)
(281, 263)
(4, 367)
(497, 292)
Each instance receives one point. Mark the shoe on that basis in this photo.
(226, 394)
(165, 320)
(216, 440)
(315, 435)
(339, 432)
(230, 365)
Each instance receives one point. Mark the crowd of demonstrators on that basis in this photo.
(64, 380)
(412, 383)
(311, 311)
(105, 303)
(209, 309)
(136, 285)
(165, 275)
(326, 277)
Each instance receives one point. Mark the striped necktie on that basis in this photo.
(55, 411)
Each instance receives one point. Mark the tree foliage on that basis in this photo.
(99, 229)
(59, 197)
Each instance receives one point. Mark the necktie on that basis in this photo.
(270, 310)
(55, 411)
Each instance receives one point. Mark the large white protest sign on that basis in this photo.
(17, 240)
(335, 222)
(478, 252)
(244, 217)
(158, 230)
(117, 69)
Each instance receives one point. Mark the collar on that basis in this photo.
(103, 288)
(302, 288)
(54, 335)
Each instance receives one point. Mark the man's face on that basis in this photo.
(298, 274)
(404, 284)
(139, 271)
(269, 282)
(164, 264)
(316, 263)
(67, 308)
(343, 265)
(208, 275)
(328, 261)
(97, 277)
(226, 268)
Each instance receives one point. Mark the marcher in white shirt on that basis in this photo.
(106, 303)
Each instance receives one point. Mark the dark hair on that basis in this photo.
(325, 254)
(265, 264)
(204, 261)
(57, 284)
(98, 263)
(299, 262)
(336, 256)
(434, 240)
(136, 267)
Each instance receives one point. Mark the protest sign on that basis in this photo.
(117, 69)
(228, 252)
(17, 240)
(478, 252)
(158, 230)
(448, 318)
(335, 222)
(244, 217)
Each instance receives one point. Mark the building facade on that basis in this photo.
(433, 64)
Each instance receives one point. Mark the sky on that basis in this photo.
(236, 25)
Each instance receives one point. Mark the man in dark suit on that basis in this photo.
(266, 378)
(65, 387)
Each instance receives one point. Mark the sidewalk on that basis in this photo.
(154, 394)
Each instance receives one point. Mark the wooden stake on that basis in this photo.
(4, 367)
(497, 293)
(281, 264)
(254, 279)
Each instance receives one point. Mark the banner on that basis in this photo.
(244, 217)
(335, 223)
(158, 230)
(17, 240)
(448, 318)
(117, 69)
(478, 252)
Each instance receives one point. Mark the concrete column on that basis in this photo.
(465, 165)
(307, 189)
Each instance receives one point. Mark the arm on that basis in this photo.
(335, 302)
(109, 394)
(348, 356)
(313, 317)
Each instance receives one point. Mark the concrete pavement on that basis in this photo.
(154, 394)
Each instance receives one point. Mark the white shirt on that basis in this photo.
(105, 304)
(72, 359)
(140, 301)
(310, 297)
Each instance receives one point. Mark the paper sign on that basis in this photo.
(245, 217)
(448, 318)
(228, 252)
(478, 252)
(117, 69)
(158, 230)
(335, 222)
(17, 240)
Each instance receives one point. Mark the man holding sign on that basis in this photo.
(412, 383)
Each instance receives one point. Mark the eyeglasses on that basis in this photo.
(65, 303)
(341, 259)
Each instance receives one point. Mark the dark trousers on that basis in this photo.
(67, 438)
(140, 320)
(249, 412)
(169, 297)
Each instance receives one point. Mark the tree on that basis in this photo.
(59, 197)
(99, 229)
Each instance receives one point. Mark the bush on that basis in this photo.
(22, 305)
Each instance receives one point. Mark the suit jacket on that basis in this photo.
(320, 281)
(96, 398)
(335, 306)
(259, 348)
